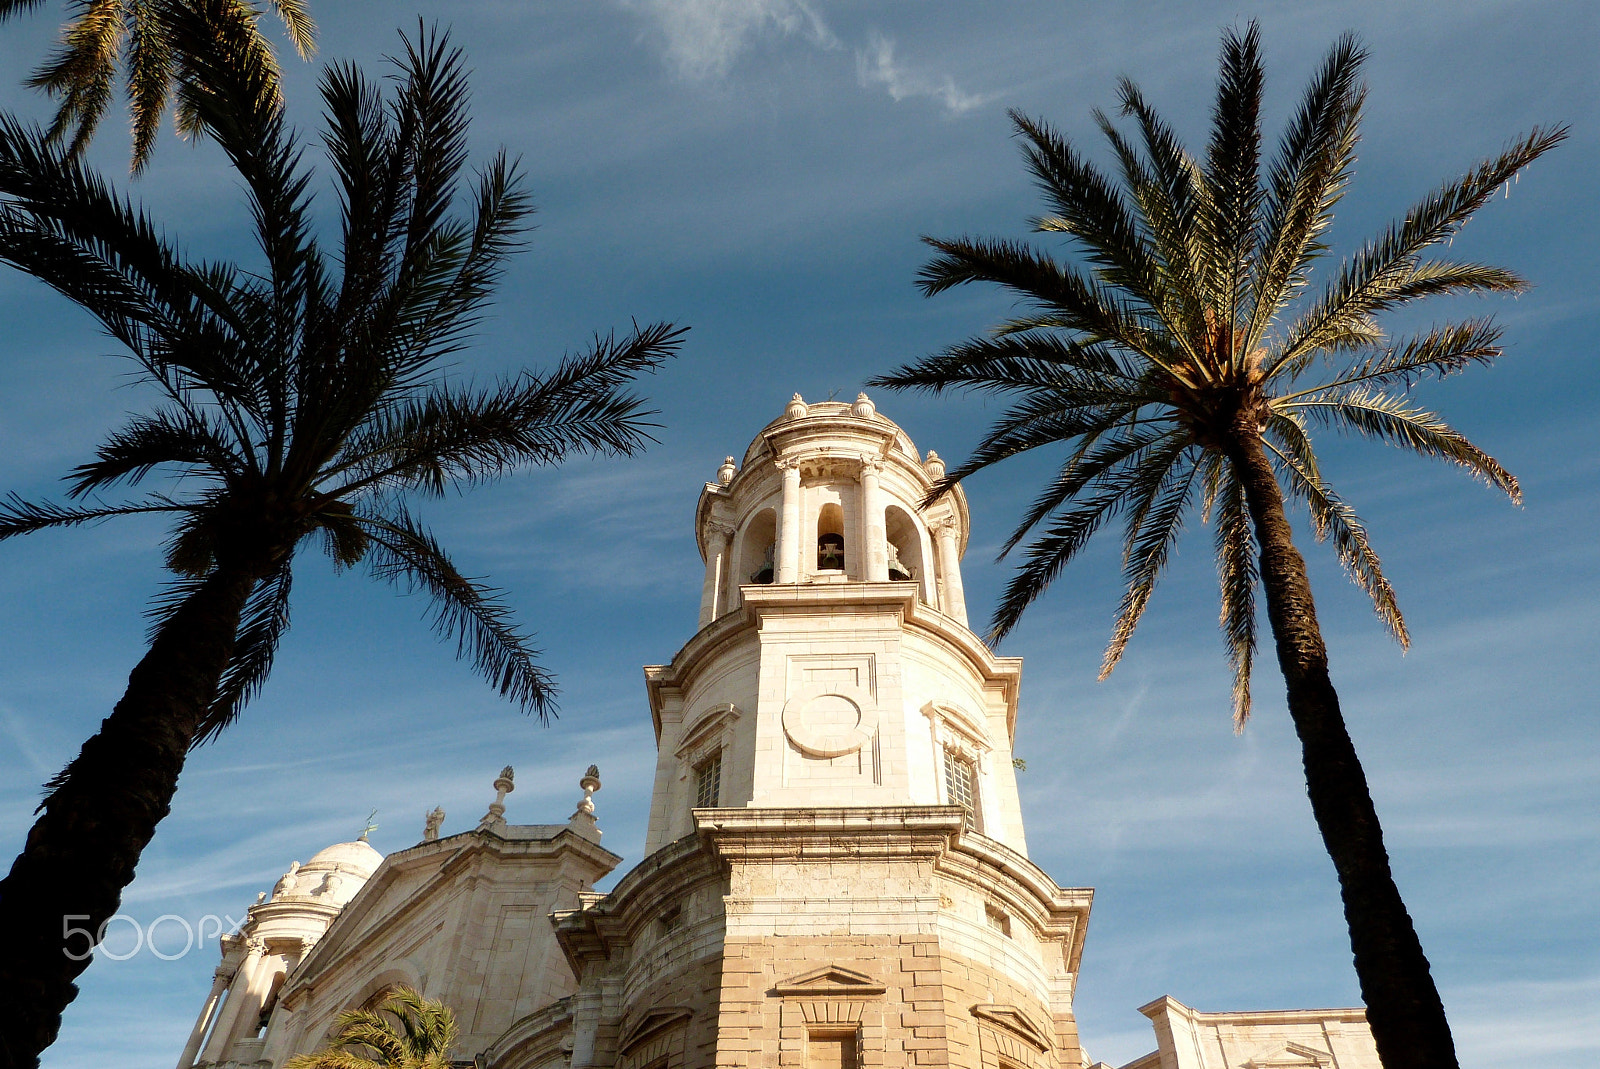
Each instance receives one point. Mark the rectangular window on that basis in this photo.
(708, 782)
(959, 788)
(998, 920)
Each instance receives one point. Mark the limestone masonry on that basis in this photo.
(836, 876)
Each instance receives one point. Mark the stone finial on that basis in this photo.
(863, 408)
(796, 407)
(503, 785)
(933, 466)
(582, 820)
(726, 473)
(261, 896)
(431, 823)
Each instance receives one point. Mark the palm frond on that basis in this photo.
(1307, 178)
(1078, 303)
(19, 517)
(1237, 575)
(1096, 461)
(1396, 421)
(1016, 362)
(1443, 351)
(261, 628)
(475, 615)
(1330, 515)
(1154, 522)
(1068, 532)
(1089, 207)
(449, 438)
(147, 442)
(1385, 273)
(1232, 173)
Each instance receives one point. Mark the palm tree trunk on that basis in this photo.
(100, 814)
(1403, 1006)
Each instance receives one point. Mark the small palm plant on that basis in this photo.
(406, 1031)
(1184, 371)
(303, 404)
(146, 39)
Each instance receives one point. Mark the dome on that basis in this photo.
(357, 857)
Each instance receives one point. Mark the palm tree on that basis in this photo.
(301, 401)
(1178, 370)
(141, 36)
(406, 1031)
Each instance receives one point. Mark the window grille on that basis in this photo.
(958, 785)
(708, 782)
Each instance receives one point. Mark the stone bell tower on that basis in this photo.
(837, 874)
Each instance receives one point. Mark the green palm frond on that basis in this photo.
(405, 1031)
(1237, 576)
(1396, 421)
(140, 36)
(1386, 274)
(1232, 178)
(476, 616)
(1297, 464)
(1154, 523)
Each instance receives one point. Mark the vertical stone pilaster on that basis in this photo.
(952, 598)
(874, 555)
(788, 553)
(219, 984)
(718, 538)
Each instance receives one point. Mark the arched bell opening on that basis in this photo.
(756, 548)
(906, 559)
(830, 538)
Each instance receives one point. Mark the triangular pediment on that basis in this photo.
(831, 981)
(656, 1020)
(1290, 1056)
(1014, 1021)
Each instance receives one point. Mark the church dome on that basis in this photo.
(356, 857)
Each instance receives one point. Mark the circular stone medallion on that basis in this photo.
(827, 720)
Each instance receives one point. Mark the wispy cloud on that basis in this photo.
(704, 37)
(876, 65)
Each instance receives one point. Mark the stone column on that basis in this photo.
(219, 984)
(228, 1023)
(874, 556)
(952, 599)
(718, 537)
(788, 554)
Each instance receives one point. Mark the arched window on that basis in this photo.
(756, 548)
(830, 538)
(905, 548)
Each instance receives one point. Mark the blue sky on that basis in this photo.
(760, 170)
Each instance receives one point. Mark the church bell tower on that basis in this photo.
(836, 872)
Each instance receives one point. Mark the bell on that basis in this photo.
(830, 553)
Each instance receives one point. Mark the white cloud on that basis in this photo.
(877, 66)
(704, 37)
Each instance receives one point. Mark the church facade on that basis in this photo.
(836, 871)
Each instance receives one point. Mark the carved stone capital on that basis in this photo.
(723, 531)
(871, 465)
